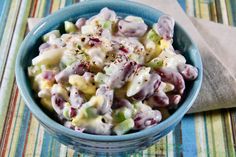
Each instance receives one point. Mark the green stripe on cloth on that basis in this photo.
(17, 37)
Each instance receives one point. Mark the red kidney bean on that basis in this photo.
(147, 118)
(108, 94)
(149, 87)
(57, 103)
(73, 112)
(107, 14)
(94, 42)
(165, 27)
(119, 102)
(188, 71)
(173, 77)
(76, 68)
(43, 47)
(174, 99)
(158, 99)
(80, 22)
(126, 68)
(131, 29)
(76, 97)
(48, 75)
(88, 76)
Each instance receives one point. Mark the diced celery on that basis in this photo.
(54, 32)
(122, 114)
(153, 50)
(68, 59)
(107, 25)
(100, 78)
(62, 66)
(137, 58)
(66, 113)
(70, 27)
(124, 126)
(152, 35)
(34, 70)
(91, 112)
(109, 69)
(139, 106)
(155, 63)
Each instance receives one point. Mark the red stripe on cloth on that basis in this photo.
(34, 8)
(8, 123)
(51, 7)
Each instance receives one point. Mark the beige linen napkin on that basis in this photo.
(219, 84)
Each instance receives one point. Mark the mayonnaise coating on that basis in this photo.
(110, 75)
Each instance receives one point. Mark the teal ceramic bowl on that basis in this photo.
(97, 143)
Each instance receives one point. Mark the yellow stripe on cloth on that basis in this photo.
(200, 135)
(32, 137)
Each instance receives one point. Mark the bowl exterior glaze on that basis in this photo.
(96, 143)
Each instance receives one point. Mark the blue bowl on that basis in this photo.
(98, 143)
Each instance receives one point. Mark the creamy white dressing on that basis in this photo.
(100, 53)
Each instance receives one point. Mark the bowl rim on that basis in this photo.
(46, 120)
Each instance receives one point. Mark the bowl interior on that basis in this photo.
(29, 49)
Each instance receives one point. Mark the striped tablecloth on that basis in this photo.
(205, 134)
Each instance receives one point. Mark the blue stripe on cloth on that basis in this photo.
(47, 139)
(182, 4)
(47, 8)
(76, 154)
(233, 8)
(56, 148)
(188, 136)
(68, 2)
(177, 141)
(4, 8)
(23, 132)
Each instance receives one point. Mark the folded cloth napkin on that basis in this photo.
(219, 84)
